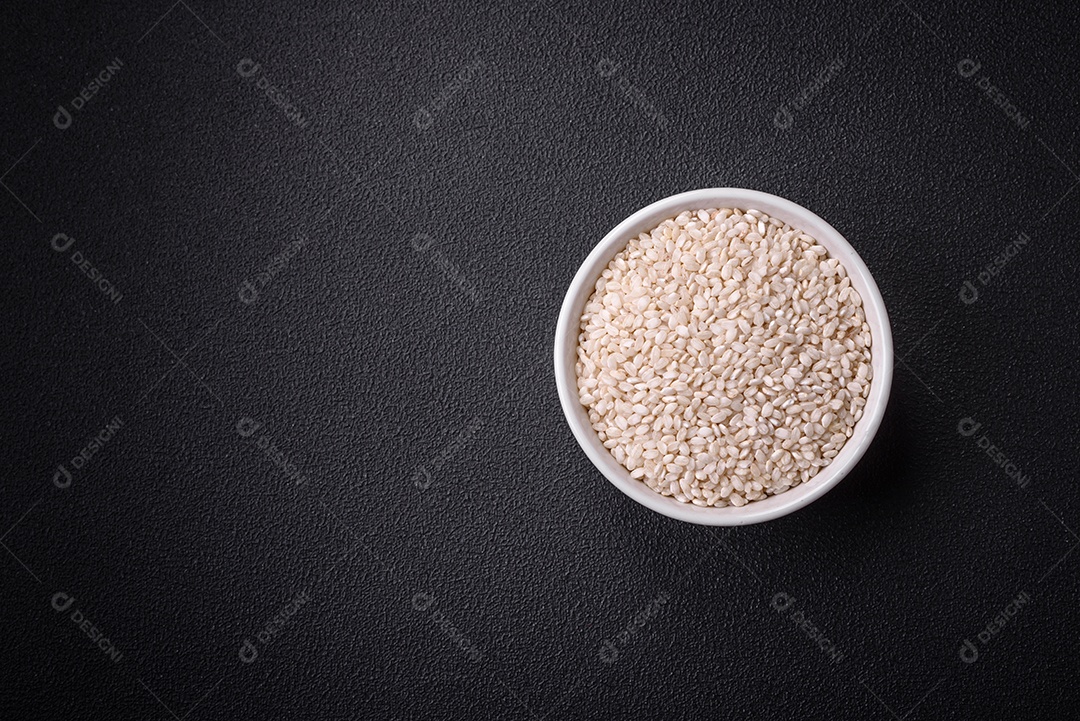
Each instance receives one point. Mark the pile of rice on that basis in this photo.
(724, 357)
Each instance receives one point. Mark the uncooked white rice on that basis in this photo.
(724, 357)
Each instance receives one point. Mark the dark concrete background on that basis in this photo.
(362, 450)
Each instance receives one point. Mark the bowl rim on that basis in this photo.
(797, 216)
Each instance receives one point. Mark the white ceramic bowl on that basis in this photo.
(644, 220)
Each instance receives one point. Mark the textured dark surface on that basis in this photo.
(458, 554)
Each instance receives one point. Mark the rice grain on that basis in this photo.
(723, 357)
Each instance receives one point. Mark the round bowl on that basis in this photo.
(644, 220)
